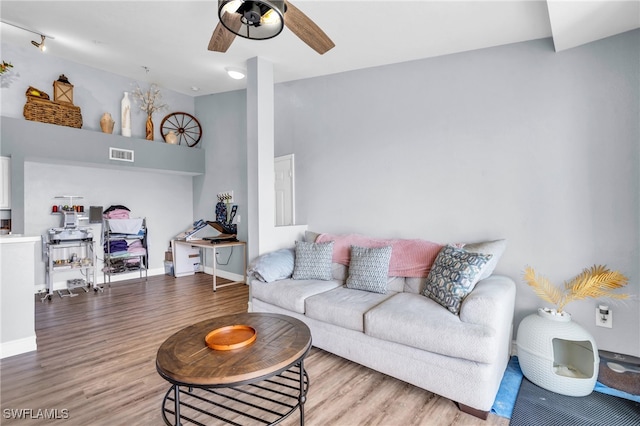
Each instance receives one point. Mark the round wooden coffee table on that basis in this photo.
(261, 383)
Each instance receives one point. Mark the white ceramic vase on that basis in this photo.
(126, 115)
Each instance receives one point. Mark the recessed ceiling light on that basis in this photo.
(194, 88)
(236, 73)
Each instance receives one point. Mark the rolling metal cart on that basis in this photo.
(70, 248)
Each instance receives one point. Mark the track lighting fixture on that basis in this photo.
(40, 45)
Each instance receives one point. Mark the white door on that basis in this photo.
(284, 190)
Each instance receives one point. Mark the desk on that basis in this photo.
(182, 251)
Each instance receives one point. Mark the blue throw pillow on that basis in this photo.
(272, 266)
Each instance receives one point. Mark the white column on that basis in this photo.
(260, 154)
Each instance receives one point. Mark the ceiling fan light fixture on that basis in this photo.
(235, 73)
(255, 20)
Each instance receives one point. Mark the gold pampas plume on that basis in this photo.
(596, 282)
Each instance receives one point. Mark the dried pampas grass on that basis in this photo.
(595, 282)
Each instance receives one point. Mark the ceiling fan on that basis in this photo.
(261, 20)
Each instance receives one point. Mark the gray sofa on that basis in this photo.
(400, 332)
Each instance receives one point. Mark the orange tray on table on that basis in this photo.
(230, 337)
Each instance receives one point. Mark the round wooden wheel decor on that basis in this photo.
(184, 125)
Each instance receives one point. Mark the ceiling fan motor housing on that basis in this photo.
(259, 20)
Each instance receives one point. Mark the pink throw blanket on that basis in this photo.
(409, 258)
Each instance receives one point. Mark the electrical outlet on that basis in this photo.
(604, 316)
(225, 197)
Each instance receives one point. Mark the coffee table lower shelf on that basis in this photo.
(265, 402)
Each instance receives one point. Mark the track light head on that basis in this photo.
(40, 45)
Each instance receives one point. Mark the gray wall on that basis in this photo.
(224, 128)
(515, 142)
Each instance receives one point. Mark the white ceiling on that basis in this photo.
(170, 38)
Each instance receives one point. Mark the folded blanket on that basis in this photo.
(136, 247)
(126, 226)
(116, 246)
(117, 214)
(409, 258)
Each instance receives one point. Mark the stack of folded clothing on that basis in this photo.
(136, 247)
(116, 212)
(116, 247)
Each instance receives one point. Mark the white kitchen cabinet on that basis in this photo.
(5, 184)
(17, 307)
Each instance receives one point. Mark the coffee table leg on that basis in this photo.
(303, 394)
(176, 400)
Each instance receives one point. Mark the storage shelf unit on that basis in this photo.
(66, 256)
(121, 261)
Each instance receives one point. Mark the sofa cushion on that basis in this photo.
(313, 261)
(494, 248)
(369, 268)
(339, 272)
(275, 265)
(414, 285)
(343, 306)
(310, 236)
(290, 294)
(453, 275)
(416, 321)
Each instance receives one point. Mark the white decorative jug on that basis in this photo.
(126, 115)
(171, 137)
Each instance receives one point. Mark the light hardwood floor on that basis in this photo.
(95, 363)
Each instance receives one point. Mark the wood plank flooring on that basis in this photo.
(95, 364)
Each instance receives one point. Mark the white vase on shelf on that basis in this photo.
(126, 115)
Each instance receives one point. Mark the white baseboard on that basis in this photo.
(224, 274)
(17, 347)
(62, 285)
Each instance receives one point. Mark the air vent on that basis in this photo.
(120, 154)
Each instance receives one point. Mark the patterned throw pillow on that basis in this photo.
(313, 261)
(369, 269)
(453, 275)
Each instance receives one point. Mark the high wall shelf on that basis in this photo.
(122, 253)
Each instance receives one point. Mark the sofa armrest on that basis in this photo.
(491, 302)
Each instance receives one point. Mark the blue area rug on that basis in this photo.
(510, 385)
(508, 392)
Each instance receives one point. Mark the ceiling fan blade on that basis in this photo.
(306, 30)
(222, 38)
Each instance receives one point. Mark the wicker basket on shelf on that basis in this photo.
(47, 111)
